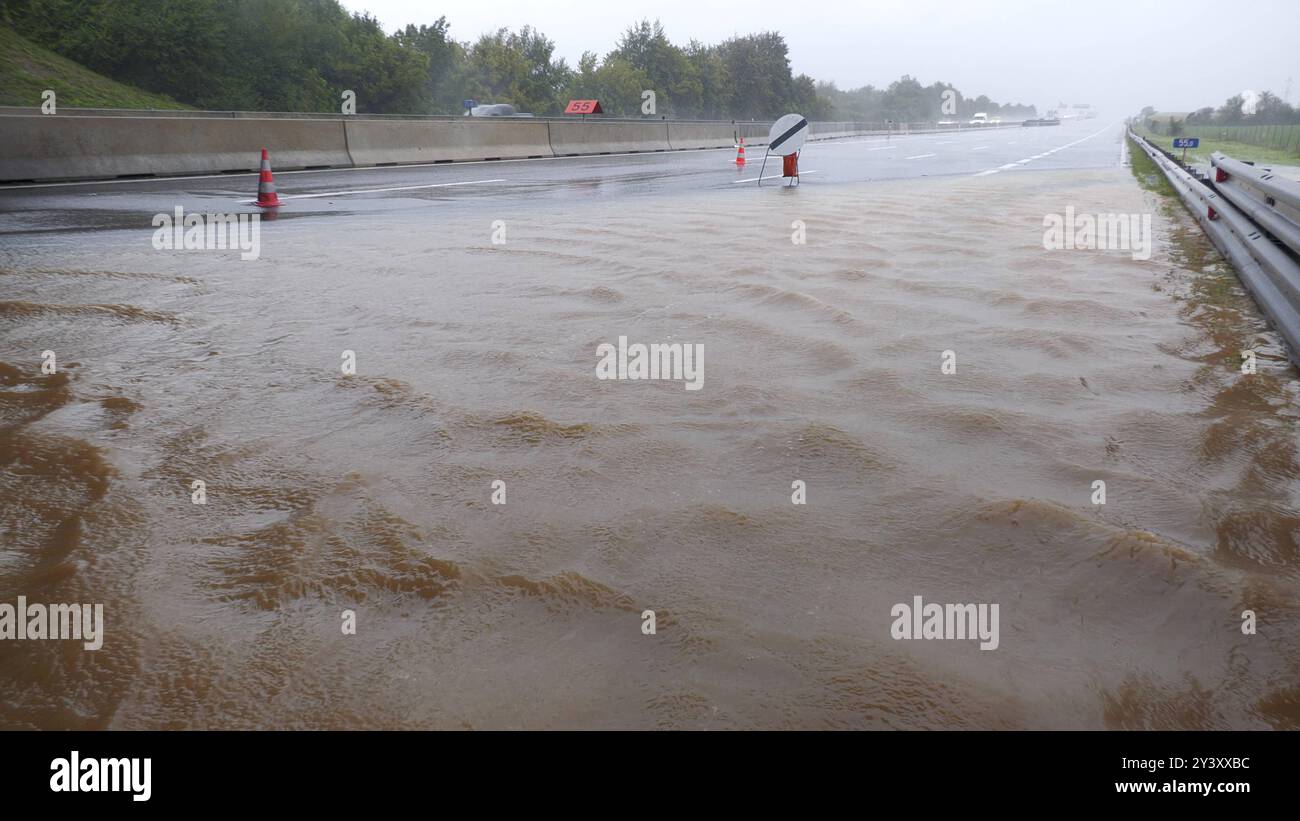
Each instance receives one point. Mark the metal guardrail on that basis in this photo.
(1270, 200)
(1270, 274)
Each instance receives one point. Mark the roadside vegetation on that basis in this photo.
(27, 70)
(1264, 128)
(301, 55)
(1147, 173)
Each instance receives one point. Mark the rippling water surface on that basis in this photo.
(476, 362)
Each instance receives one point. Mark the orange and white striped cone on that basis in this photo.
(266, 196)
(740, 152)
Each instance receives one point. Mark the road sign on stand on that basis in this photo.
(584, 107)
(1186, 143)
(785, 139)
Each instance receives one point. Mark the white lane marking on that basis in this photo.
(840, 141)
(944, 142)
(921, 156)
(770, 177)
(979, 148)
(379, 190)
(883, 148)
(1047, 153)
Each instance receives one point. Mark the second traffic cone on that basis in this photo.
(266, 196)
(740, 152)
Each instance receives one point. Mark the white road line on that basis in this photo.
(921, 156)
(769, 177)
(944, 142)
(838, 141)
(883, 148)
(979, 148)
(380, 190)
(1048, 153)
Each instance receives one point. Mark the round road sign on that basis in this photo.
(787, 135)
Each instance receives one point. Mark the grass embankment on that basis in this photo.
(26, 70)
(1148, 174)
(1211, 142)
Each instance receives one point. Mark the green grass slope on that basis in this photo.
(26, 70)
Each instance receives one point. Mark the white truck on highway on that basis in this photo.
(980, 118)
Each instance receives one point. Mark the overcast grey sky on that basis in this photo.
(1114, 54)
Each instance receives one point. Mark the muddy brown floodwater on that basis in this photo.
(476, 363)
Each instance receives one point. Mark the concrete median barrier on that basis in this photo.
(39, 147)
(578, 137)
(683, 136)
(53, 147)
(754, 133)
(376, 142)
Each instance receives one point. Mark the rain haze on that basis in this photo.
(1117, 55)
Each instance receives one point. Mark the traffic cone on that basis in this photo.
(740, 152)
(266, 196)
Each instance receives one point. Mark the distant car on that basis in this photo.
(980, 118)
(495, 110)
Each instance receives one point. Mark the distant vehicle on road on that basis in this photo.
(980, 118)
(495, 110)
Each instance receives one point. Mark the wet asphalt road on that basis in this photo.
(31, 212)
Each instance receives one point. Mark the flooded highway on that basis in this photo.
(394, 411)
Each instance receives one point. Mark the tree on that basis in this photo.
(667, 70)
(516, 68)
(444, 71)
(762, 86)
(1273, 110)
(1230, 112)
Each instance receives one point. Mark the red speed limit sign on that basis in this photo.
(584, 107)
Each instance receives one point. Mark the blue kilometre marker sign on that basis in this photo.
(1187, 142)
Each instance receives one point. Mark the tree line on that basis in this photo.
(1266, 108)
(300, 55)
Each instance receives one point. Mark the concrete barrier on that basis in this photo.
(754, 133)
(592, 137)
(833, 131)
(51, 147)
(700, 135)
(375, 142)
(39, 147)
